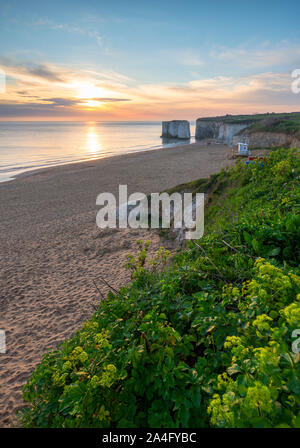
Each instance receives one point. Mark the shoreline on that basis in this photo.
(98, 159)
(52, 252)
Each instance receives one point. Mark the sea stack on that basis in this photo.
(176, 129)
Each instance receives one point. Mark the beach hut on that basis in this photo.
(243, 149)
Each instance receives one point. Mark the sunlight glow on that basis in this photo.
(91, 104)
(93, 144)
(87, 90)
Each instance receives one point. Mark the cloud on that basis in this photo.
(49, 24)
(28, 110)
(28, 73)
(58, 101)
(184, 57)
(218, 95)
(48, 90)
(99, 39)
(190, 59)
(263, 55)
(40, 70)
(111, 75)
(71, 102)
(50, 107)
(246, 56)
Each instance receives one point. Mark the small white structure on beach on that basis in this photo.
(243, 149)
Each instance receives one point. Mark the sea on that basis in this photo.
(27, 146)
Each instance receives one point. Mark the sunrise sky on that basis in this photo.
(147, 60)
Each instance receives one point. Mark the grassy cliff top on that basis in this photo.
(287, 123)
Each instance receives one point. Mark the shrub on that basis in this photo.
(204, 342)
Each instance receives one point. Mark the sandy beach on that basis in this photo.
(52, 251)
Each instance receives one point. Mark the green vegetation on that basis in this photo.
(206, 341)
(287, 124)
(253, 118)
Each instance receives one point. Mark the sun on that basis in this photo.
(91, 104)
(87, 90)
(90, 95)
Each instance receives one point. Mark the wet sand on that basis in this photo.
(51, 250)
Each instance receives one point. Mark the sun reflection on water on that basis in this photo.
(93, 143)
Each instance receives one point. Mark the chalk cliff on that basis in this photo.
(258, 130)
(266, 139)
(218, 129)
(176, 129)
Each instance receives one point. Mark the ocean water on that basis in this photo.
(26, 146)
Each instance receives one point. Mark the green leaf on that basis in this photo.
(274, 252)
(247, 237)
(256, 246)
(297, 421)
(234, 369)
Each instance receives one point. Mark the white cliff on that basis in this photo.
(228, 130)
(258, 130)
(218, 129)
(259, 140)
(176, 129)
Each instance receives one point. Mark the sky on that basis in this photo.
(143, 60)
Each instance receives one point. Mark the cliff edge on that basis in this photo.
(258, 130)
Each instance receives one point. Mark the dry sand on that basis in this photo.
(51, 250)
